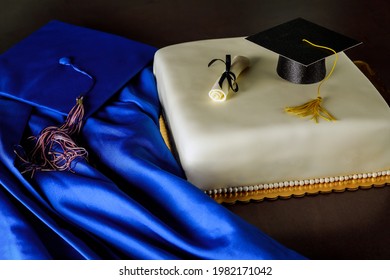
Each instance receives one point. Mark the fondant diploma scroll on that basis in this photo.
(227, 82)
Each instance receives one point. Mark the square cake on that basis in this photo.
(248, 141)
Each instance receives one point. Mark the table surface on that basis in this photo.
(349, 225)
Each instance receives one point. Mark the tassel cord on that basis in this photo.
(314, 108)
(74, 120)
(333, 66)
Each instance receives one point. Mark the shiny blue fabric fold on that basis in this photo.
(18, 238)
(129, 201)
(39, 232)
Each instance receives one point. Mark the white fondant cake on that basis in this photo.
(249, 140)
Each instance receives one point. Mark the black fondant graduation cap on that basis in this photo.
(300, 62)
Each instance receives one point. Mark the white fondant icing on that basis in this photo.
(249, 139)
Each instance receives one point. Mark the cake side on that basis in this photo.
(249, 139)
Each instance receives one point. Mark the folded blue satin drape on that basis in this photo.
(128, 201)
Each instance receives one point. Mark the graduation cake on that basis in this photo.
(249, 141)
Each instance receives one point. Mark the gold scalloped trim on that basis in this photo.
(301, 191)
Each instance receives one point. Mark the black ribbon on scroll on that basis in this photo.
(228, 75)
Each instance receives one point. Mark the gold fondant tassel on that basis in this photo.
(313, 108)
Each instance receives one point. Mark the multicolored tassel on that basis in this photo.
(55, 149)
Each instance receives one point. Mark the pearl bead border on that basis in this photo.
(297, 183)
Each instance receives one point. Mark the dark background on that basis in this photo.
(165, 22)
(349, 225)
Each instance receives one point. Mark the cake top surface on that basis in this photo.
(184, 81)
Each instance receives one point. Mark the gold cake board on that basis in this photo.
(299, 191)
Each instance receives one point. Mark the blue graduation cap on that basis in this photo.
(73, 71)
(37, 72)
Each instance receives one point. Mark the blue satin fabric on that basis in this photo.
(128, 201)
